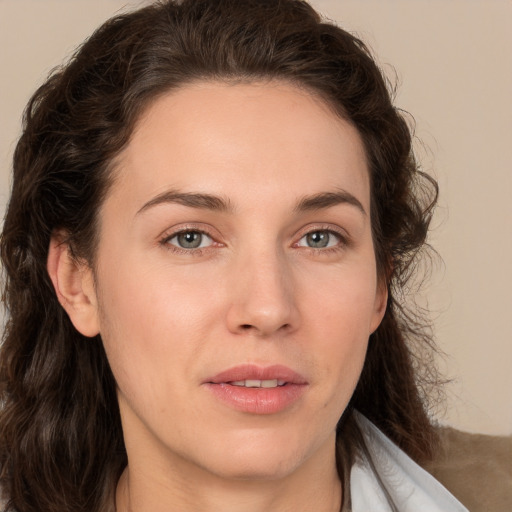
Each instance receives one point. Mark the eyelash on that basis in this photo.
(165, 241)
(342, 244)
(343, 241)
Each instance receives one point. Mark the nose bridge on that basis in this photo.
(263, 299)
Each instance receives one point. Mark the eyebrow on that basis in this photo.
(313, 202)
(327, 200)
(190, 199)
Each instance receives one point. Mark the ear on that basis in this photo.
(74, 285)
(381, 301)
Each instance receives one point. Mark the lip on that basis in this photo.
(252, 371)
(257, 400)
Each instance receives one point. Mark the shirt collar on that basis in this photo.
(386, 479)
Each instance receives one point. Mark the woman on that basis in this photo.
(215, 207)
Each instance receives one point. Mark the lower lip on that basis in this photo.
(257, 400)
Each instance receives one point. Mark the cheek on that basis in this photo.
(339, 318)
(152, 322)
(145, 296)
(341, 349)
(342, 300)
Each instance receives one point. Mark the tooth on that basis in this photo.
(255, 383)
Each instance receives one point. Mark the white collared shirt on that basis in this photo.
(391, 481)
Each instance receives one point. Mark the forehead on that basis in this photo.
(232, 139)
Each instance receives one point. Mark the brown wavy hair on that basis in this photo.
(61, 443)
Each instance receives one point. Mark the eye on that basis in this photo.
(320, 239)
(191, 239)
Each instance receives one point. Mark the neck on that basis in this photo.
(311, 487)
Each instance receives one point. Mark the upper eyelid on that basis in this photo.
(324, 227)
(176, 230)
(165, 241)
(330, 231)
(344, 238)
(216, 236)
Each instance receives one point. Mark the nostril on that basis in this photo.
(248, 327)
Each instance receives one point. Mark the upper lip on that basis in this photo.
(255, 372)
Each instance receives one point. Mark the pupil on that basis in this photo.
(318, 239)
(190, 239)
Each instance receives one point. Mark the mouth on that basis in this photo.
(255, 383)
(257, 390)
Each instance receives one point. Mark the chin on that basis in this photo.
(259, 457)
(262, 468)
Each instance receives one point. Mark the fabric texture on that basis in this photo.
(475, 468)
(385, 479)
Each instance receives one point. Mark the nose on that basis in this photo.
(262, 296)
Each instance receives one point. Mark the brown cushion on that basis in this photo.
(476, 469)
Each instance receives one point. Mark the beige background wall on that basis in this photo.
(454, 62)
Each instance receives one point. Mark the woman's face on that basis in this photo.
(236, 251)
